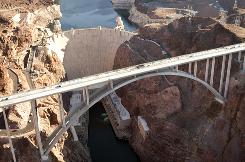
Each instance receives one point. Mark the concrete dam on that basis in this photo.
(92, 51)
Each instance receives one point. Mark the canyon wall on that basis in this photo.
(30, 57)
(154, 11)
(185, 122)
(228, 4)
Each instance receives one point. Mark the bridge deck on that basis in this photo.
(93, 80)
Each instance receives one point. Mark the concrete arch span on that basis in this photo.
(92, 51)
(97, 96)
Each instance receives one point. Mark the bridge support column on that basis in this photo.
(86, 95)
(9, 137)
(195, 69)
(239, 56)
(37, 131)
(212, 72)
(222, 74)
(189, 68)
(227, 80)
(111, 84)
(177, 68)
(243, 63)
(74, 133)
(62, 113)
(206, 71)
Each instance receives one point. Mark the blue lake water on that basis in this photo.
(90, 13)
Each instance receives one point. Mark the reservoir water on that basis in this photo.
(90, 13)
(103, 145)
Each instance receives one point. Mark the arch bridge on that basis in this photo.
(97, 86)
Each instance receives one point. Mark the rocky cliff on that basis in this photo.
(163, 11)
(32, 58)
(228, 4)
(147, 12)
(185, 122)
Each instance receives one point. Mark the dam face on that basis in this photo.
(92, 51)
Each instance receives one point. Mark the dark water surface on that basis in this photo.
(90, 13)
(104, 147)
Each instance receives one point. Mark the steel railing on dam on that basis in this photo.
(97, 86)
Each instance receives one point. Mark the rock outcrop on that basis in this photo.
(185, 122)
(229, 4)
(141, 13)
(154, 11)
(31, 57)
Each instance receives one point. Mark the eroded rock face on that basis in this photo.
(228, 4)
(184, 36)
(163, 11)
(185, 121)
(19, 32)
(5, 81)
(147, 12)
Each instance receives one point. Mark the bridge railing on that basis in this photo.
(97, 86)
(102, 78)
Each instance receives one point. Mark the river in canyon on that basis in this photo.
(102, 142)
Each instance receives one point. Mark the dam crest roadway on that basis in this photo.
(89, 56)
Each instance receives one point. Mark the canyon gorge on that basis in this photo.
(172, 119)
